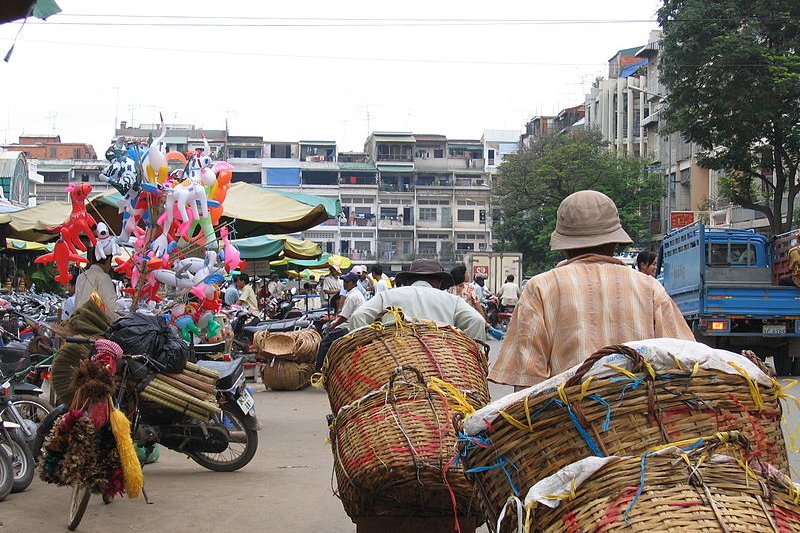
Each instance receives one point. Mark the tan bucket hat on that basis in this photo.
(586, 219)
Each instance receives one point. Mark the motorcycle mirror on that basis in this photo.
(294, 290)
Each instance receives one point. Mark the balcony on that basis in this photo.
(394, 223)
(395, 158)
(359, 222)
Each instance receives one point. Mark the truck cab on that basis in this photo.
(722, 281)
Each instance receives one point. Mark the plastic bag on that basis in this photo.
(149, 335)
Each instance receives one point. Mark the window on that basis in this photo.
(53, 152)
(466, 215)
(438, 153)
(491, 157)
(76, 153)
(731, 254)
(363, 246)
(251, 154)
(465, 246)
(427, 248)
(427, 213)
(362, 210)
(388, 213)
(237, 152)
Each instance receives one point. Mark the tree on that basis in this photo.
(734, 89)
(534, 181)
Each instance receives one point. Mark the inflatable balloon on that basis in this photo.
(106, 243)
(156, 166)
(187, 327)
(122, 173)
(230, 254)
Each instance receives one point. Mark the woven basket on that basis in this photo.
(364, 360)
(674, 406)
(688, 492)
(306, 345)
(392, 453)
(282, 374)
(274, 344)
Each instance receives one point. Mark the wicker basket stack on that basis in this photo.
(288, 357)
(709, 485)
(394, 390)
(545, 432)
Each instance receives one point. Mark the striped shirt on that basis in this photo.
(584, 304)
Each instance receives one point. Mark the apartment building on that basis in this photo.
(404, 196)
(52, 164)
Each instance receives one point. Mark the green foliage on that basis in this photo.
(534, 181)
(733, 75)
(43, 276)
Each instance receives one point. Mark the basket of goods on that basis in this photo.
(288, 357)
(712, 484)
(623, 400)
(393, 452)
(364, 360)
(90, 445)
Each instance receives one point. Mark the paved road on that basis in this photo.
(286, 488)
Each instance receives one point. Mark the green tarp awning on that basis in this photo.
(271, 246)
(396, 168)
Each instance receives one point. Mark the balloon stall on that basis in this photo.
(171, 220)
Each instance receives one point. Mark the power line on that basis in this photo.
(326, 57)
(388, 23)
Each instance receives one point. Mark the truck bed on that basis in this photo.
(763, 302)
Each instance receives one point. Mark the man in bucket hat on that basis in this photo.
(420, 294)
(589, 301)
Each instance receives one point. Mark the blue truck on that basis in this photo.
(723, 282)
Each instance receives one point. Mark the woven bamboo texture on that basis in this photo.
(392, 455)
(300, 346)
(285, 375)
(622, 416)
(689, 494)
(364, 360)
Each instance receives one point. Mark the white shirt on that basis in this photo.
(69, 307)
(509, 293)
(380, 285)
(422, 301)
(353, 301)
(95, 279)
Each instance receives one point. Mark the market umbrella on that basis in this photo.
(27, 246)
(257, 211)
(271, 246)
(31, 224)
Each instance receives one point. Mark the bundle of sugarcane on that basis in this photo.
(192, 391)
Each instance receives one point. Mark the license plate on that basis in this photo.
(774, 329)
(245, 401)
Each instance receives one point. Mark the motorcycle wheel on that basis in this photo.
(22, 463)
(6, 474)
(239, 452)
(77, 505)
(32, 408)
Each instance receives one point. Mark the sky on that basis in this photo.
(308, 70)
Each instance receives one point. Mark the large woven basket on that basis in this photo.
(363, 360)
(542, 433)
(283, 375)
(300, 346)
(393, 452)
(711, 485)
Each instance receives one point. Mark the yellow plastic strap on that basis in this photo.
(678, 363)
(564, 495)
(695, 368)
(456, 400)
(620, 369)
(781, 392)
(650, 369)
(585, 387)
(317, 380)
(562, 393)
(755, 392)
(513, 421)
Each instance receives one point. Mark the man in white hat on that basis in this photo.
(589, 301)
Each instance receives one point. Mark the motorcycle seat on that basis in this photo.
(216, 347)
(228, 371)
(278, 325)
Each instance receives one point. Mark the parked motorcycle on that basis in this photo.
(224, 443)
(6, 474)
(496, 317)
(12, 442)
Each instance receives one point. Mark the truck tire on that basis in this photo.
(782, 361)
